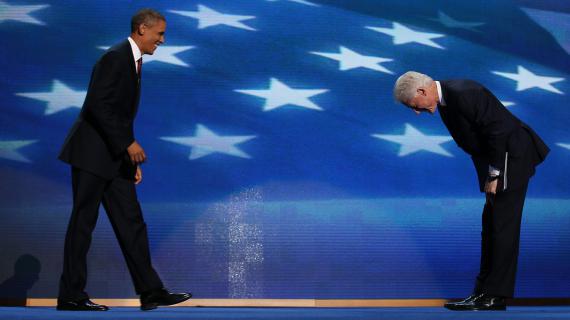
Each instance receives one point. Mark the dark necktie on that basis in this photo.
(139, 67)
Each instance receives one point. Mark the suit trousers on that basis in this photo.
(500, 240)
(119, 199)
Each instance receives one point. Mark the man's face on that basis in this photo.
(152, 36)
(424, 101)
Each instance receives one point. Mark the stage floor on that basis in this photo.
(514, 313)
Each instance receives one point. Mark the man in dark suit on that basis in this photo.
(105, 164)
(505, 152)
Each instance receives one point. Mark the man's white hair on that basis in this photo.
(407, 85)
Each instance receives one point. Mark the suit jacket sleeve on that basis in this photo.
(491, 122)
(104, 108)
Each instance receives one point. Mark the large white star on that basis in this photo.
(279, 94)
(20, 13)
(9, 150)
(413, 141)
(206, 142)
(564, 145)
(60, 97)
(164, 54)
(208, 17)
(308, 3)
(350, 60)
(507, 103)
(449, 22)
(402, 35)
(526, 80)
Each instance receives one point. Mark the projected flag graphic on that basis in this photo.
(279, 165)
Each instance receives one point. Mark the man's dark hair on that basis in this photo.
(145, 16)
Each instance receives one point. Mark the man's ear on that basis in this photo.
(141, 29)
(421, 91)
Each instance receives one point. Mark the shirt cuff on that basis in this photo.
(493, 171)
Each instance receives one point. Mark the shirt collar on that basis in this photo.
(440, 94)
(136, 51)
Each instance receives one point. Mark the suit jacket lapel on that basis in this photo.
(132, 67)
(134, 76)
(445, 93)
(443, 110)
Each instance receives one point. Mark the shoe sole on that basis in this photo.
(71, 309)
(152, 306)
(476, 309)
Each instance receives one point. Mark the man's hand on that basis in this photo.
(138, 175)
(136, 153)
(491, 186)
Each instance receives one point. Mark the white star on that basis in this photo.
(564, 145)
(208, 17)
(206, 142)
(60, 97)
(299, 1)
(20, 13)
(9, 150)
(413, 141)
(350, 60)
(452, 23)
(403, 35)
(526, 80)
(164, 54)
(279, 94)
(507, 103)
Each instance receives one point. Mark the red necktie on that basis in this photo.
(139, 66)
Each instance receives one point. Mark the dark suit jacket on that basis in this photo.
(486, 130)
(98, 140)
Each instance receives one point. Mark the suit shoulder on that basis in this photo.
(464, 86)
(114, 53)
(110, 55)
(112, 59)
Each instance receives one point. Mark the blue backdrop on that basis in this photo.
(279, 164)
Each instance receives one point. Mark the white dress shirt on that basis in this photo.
(136, 51)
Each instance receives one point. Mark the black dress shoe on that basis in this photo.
(81, 305)
(153, 299)
(478, 302)
(458, 304)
